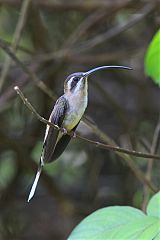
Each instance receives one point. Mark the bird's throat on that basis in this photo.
(77, 106)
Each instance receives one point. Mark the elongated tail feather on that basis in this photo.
(31, 194)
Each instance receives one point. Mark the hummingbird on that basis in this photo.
(67, 114)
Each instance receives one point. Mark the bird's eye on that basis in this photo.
(76, 79)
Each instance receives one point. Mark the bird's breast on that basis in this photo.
(77, 105)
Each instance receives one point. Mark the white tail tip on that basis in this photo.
(31, 194)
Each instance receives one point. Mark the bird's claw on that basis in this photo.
(74, 135)
(64, 131)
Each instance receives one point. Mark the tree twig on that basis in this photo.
(98, 144)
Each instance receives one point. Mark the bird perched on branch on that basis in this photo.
(67, 113)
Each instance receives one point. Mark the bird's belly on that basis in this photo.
(74, 115)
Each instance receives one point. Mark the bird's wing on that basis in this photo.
(52, 147)
(52, 134)
(62, 144)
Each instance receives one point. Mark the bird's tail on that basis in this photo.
(32, 191)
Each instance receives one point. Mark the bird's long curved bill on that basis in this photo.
(86, 74)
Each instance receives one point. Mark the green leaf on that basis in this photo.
(125, 223)
(107, 222)
(146, 228)
(152, 59)
(153, 208)
(152, 231)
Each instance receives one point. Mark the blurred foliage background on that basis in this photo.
(54, 39)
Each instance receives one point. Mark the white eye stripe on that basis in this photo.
(70, 82)
(74, 81)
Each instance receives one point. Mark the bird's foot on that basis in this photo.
(73, 135)
(64, 131)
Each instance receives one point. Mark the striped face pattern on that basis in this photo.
(73, 82)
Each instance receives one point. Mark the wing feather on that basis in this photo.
(53, 145)
(62, 144)
(51, 136)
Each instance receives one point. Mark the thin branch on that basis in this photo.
(32, 76)
(120, 151)
(16, 39)
(98, 144)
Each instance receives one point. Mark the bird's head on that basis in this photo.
(78, 81)
(75, 82)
